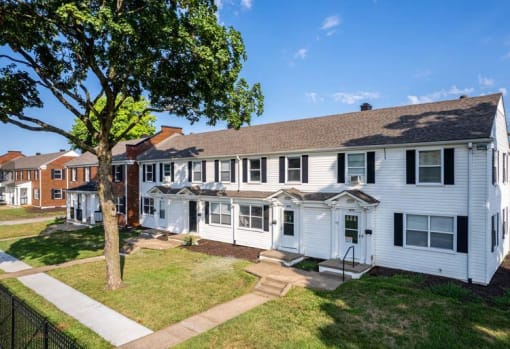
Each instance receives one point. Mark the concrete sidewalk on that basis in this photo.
(109, 324)
(197, 324)
(29, 220)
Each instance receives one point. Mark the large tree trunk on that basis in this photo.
(111, 229)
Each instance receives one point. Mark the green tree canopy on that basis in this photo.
(172, 51)
(128, 111)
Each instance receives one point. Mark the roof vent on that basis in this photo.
(463, 96)
(62, 150)
(365, 106)
(37, 153)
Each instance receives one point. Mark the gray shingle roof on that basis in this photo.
(36, 161)
(459, 119)
(118, 154)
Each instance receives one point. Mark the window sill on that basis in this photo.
(430, 184)
(220, 225)
(252, 230)
(432, 249)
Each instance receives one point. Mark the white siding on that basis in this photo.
(317, 232)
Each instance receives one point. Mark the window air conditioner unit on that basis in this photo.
(355, 179)
(167, 179)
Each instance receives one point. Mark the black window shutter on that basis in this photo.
(121, 177)
(371, 167)
(63, 193)
(206, 212)
(411, 166)
(398, 229)
(340, 171)
(143, 172)
(190, 174)
(113, 173)
(449, 166)
(304, 169)
(141, 204)
(462, 234)
(493, 233)
(263, 166)
(52, 192)
(204, 175)
(282, 169)
(52, 175)
(154, 173)
(172, 173)
(233, 170)
(245, 170)
(216, 171)
(63, 173)
(266, 218)
(161, 174)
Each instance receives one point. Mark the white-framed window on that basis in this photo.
(120, 204)
(196, 168)
(294, 169)
(57, 194)
(148, 206)
(167, 170)
(255, 170)
(220, 213)
(73, 175)
(225, 171)
(57, 173)
(356, 167)
(149, 173)
(118, 173)
(429, 166)
(251, 216)
(437, 232)
(36, 194)
(87, 174)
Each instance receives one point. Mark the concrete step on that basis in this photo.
(274, 283)
(336, 275)
(268, 290)
(272, 287)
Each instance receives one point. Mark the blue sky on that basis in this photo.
(324, 57)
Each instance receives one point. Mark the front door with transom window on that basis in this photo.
(289, 239)
(352, 236)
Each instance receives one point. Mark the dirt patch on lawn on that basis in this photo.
(215, 248)
(499, 285)
(33, 209)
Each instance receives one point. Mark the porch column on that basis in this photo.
(92, 209)
(83, 209)
(68, 206)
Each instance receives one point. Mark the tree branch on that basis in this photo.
(135, 122)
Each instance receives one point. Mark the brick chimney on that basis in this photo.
(365, 106)
(132, 151)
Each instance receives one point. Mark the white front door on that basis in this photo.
(162, 214)
(289, 238)
(351, 236)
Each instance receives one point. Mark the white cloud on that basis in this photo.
(330, 22)
(485, 81)
(314, 97)
(351, 98)
(434, 96)
(246, 4)
(301, 53)
(502, 90)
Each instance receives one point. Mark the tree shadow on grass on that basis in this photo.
(61, 247)
(398, 312)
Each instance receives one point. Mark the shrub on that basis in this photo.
(190, 240)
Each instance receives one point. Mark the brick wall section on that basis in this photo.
(10, 155)
(47, 183)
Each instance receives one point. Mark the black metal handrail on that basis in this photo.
(343, 260)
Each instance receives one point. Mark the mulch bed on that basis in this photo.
(215, 248)
(499, 285)
(33, 209)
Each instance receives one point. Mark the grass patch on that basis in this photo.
(9, 213)
(374, 312)
(23, 230)
(59, 247)
(79, 332)
(308, 264)
(163, 287)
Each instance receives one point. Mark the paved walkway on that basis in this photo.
(296, 277)
(197, 324)
(109, 324)
(29, 220)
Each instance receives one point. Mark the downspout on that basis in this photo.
(238, 173)
(232, 221)
(40, 188)
(470, 156)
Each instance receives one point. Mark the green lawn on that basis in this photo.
(59, 247)
(22, 230)
(81, 333)
(374, 312)
(9, 213)
(163, 287)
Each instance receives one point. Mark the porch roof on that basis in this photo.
(89, 186)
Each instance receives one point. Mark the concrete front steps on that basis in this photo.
(287, 259)
(335, 266)
(272, 286)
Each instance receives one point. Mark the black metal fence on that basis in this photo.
(21, 327)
